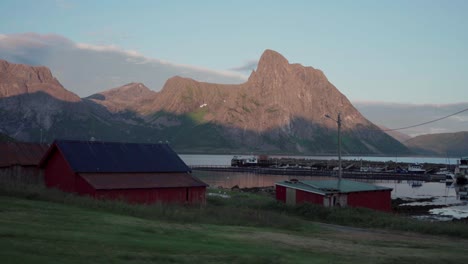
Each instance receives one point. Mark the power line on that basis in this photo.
(425, 123)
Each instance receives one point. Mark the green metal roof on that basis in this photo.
(331, 186)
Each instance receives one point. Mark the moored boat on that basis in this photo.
(415, 184)
(416, 168)
(449, 176)
(461, 171)
(463, 192)
(238, 161)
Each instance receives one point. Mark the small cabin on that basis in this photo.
(334, 193)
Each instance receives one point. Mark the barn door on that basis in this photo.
(290, 196)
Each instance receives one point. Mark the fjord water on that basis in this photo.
(225, 160)
(442, 193)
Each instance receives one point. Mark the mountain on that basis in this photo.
(402, 137)
(31, 100)
(445, 144)
(34, 106)
(20, 79)
(129, 97)
(280, 109)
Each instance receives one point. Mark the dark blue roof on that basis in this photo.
(91, 156)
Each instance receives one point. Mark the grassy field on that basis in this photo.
(42, 226)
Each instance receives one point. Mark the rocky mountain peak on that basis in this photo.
(130, 96)
(271, 62)
(131, 89)
(271, 59)
(20, 79)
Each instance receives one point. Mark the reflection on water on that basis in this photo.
(443, 194)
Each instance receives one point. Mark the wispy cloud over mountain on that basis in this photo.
(86, 69)
(247, 67)
(397, 115)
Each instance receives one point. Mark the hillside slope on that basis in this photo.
(445, 144)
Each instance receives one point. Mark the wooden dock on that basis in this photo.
(324, 173)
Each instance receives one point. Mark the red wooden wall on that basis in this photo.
(281, 193)
(302, 197)
(377, 200)
(192, 195)
(58, 174)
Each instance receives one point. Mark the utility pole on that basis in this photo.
(340, 171)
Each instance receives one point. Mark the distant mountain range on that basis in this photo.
(446, 137)
(444, 144)
(398, 115)
(280, 110)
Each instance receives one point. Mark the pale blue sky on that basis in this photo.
(395, 51)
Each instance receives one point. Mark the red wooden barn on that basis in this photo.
(19, 162)
(138, 173)
(327, 193)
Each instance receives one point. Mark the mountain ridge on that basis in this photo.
(281, 108)
(16, 79)
(128, 97)
(442, 144)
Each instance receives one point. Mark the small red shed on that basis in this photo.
(329, 194)
(137, 173)
(19, 162)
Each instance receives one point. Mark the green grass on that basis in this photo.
(249, 209)
(198, 116)
(35, 231)
(40, 225)
(44, 232)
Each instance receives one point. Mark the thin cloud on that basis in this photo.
(460, 118)
(246, 67)
(86, 69)
(396, 115)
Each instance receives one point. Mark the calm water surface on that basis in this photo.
(443, 194)
(225, 160)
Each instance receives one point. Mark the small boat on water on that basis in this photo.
(449, 176)
(463, 192)
(238, 161)
(415, 184)
(416, 168)
(461, 171)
